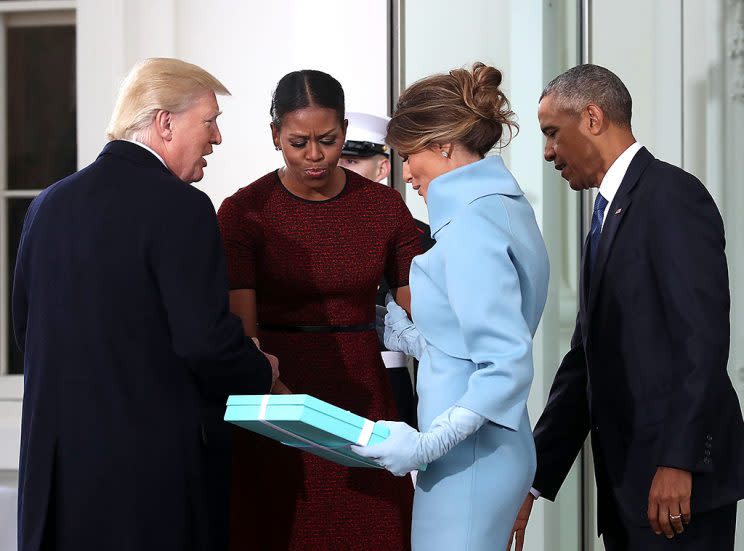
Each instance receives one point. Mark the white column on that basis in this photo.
(703, 92)
(100, 66)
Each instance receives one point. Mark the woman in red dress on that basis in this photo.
(306, 246)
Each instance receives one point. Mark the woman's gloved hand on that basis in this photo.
(406, 449)
(401, 334)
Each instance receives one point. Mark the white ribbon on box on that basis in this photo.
(393, 360)
(363, 439)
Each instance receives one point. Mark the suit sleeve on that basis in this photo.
(564, 424)
(188, 262)
(484, 293)
(690, 268)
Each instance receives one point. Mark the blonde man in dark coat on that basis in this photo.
(120, 308)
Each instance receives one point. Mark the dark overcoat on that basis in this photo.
(120, 306)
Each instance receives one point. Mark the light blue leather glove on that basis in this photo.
(401, 334)
(405, 449)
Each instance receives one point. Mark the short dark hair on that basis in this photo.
(300, 89)
(587, 83)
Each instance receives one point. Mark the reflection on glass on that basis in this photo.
(16, 213)
(42, 132)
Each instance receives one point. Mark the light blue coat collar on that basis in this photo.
(451, 191)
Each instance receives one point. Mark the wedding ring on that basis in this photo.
(675, 517)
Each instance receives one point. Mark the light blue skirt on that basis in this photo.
(468, 500)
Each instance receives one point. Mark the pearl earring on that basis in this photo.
(445, 154)
(278, 147)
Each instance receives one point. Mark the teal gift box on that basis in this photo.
(305, 422)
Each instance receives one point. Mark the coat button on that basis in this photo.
(706, 460)
(709, 438)
(708, 445)
(707, 453)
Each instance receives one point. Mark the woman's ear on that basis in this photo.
(445, 150)
(275, 136)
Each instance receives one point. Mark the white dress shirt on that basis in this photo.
(615, 174)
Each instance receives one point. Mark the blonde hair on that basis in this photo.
(466, 106)
(154, 84)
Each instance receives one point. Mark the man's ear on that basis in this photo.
(383, 169)
(164, 124)
(595, 118)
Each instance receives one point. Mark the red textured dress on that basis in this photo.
(318, 263)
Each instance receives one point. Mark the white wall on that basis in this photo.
(649, 64)
(249, 46)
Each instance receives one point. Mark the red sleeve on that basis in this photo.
(239, 229)
(404, 244)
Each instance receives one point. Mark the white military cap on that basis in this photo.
(365, 136)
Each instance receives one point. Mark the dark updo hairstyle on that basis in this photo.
(465, 106)
(300, 89)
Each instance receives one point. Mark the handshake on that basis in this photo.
(396, 331)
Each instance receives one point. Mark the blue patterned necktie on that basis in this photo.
(600, 203)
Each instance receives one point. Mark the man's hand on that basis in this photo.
(669, 501)
(273, 361)
(520, 525)
(280, 388)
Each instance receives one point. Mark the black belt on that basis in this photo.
(317, 328)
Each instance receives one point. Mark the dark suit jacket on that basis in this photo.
(120, 306)
(646, 373)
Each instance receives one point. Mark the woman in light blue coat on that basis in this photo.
(477, 298)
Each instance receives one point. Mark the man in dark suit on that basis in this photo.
(120, 306)
(646, 373)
